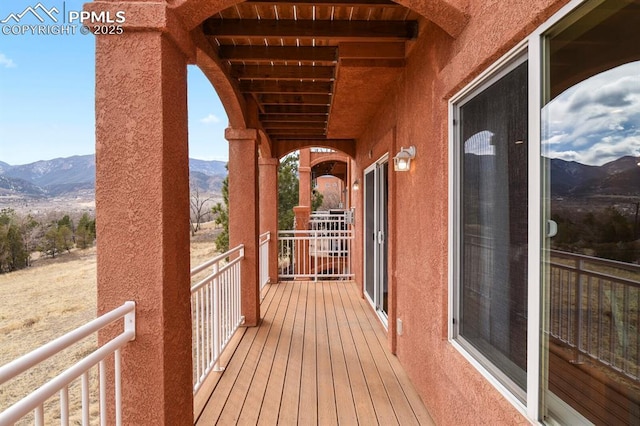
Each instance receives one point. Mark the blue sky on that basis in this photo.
(597, 120)
(47, 95)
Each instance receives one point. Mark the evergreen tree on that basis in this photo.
(50, 243)
(221, 213)
(85, 233)
(288, 187)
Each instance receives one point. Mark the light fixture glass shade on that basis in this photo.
(356, 185)
(402, 160)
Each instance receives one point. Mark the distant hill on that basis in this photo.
(4, 167)
(572, 179)
(209, 168)
(13, 186)
(67, 176)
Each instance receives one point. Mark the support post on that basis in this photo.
(244, 215)
(142, 205)
(269, 210)
(304, 174)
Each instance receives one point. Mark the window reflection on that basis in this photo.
(591, 144)
(493, 297)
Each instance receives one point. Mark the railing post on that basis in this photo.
(217, 319)
(315, 255)
(577, 323)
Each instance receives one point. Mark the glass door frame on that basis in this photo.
(380, 241)
(533, 48)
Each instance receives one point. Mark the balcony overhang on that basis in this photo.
(317, 71)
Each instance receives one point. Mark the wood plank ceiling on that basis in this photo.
(288, 56)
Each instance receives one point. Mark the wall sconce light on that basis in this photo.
(402, 160)
(356, 185)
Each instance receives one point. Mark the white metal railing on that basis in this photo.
(35, 401)
(315, 254)
(593, 303)
(322, 150)
(215, 311)
(331, 220)
(594, 309)
(264, 258)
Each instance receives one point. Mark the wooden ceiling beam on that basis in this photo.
(280, 126)
(296, 109)
(323, 54)
(299, 87)
(343, 3)
(282, 72)
(307, 118)
(312, 29)
(294, 99)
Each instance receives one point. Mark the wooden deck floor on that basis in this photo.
(319, 357)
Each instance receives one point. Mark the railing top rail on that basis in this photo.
(590, 259)
(22, 364)
(217, 273)
(46, 391)
(321, 232)
(264, 238)
(212, 261)
(599, 275)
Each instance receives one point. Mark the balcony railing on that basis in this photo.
(315, 254)
(594, 307)
(35, 402)
(264, 259)
(332, 220)
(215, 311)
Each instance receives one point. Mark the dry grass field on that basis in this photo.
(49, 299)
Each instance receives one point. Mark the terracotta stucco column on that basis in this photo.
(304, 174)
(142, 205)
(244, 214)
(269, 210)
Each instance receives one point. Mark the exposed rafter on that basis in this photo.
(345, 3)
(313, 29)
(296, 109)
(328, 54)
(282, 72)
(286, 57)
(299, 87)
(294, 99)
(279, 125)
(302, 118)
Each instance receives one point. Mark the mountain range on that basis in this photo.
(620, 177)
(67, 176)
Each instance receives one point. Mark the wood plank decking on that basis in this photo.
(319, 357)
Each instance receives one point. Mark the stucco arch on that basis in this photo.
(332, 156)
(286, 147)
(449, 15)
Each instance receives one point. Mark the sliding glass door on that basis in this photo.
(591, 195)
(376, 200)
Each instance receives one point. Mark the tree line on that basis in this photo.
(288, 187)
(23, 235)
(608, 233)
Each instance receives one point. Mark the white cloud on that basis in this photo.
(597, 120)
(211, 118)
(6, 62)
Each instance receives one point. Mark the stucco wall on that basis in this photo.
(416, 114)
